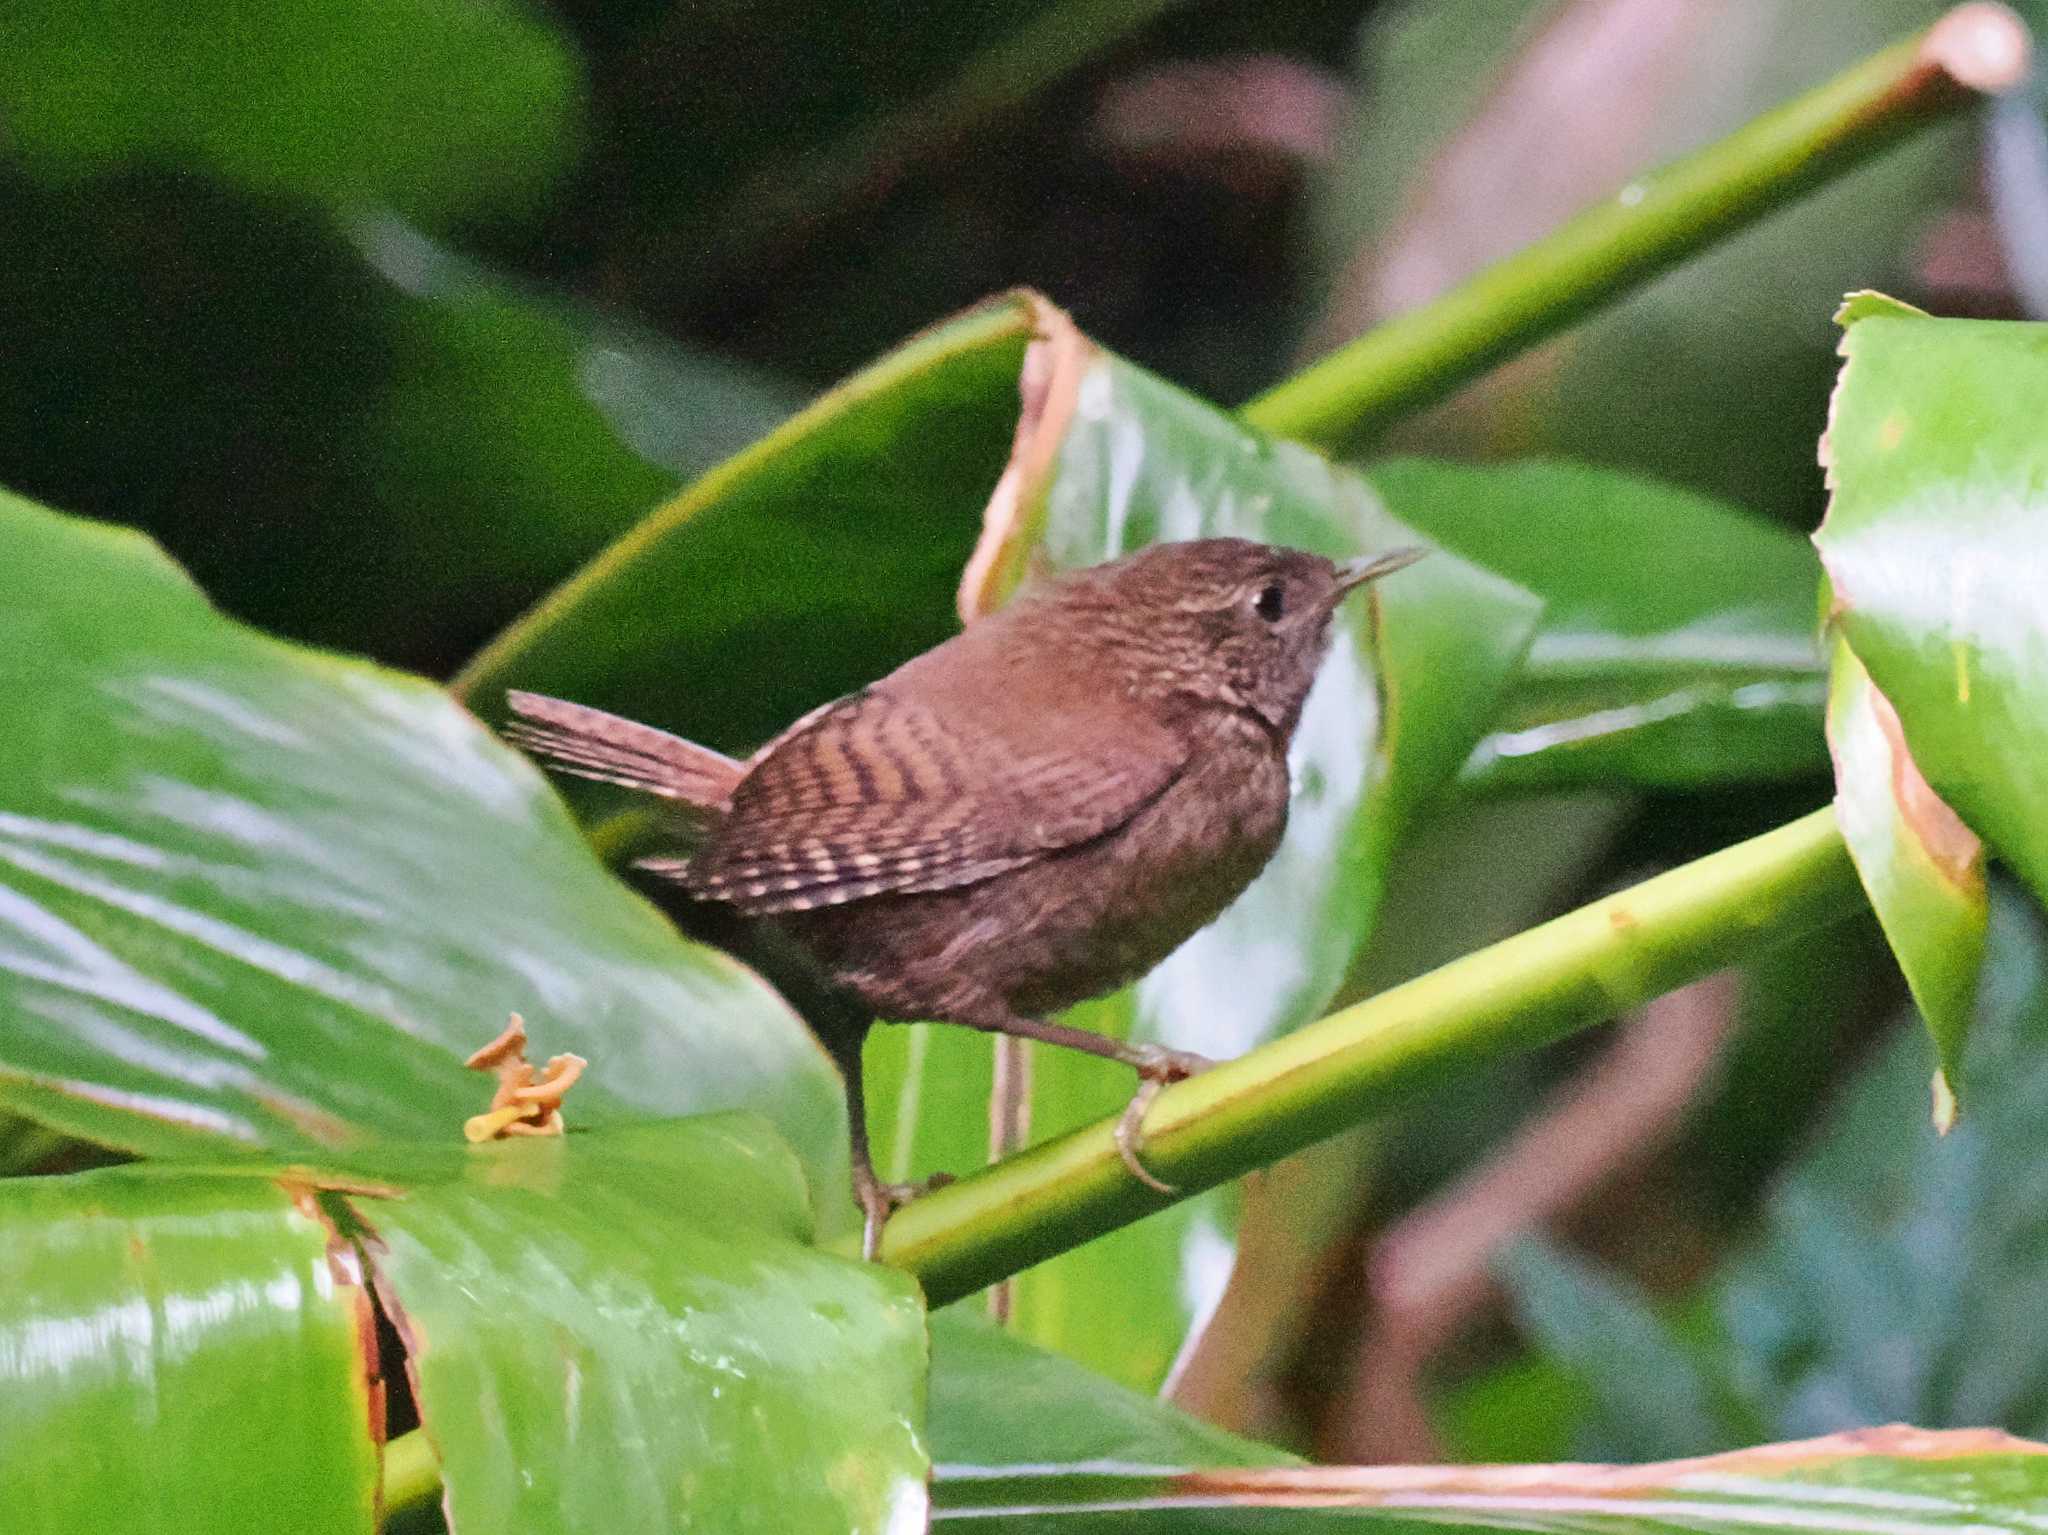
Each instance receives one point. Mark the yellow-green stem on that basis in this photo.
(1647, 227)
(1570, 973)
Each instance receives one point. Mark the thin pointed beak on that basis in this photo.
(1370, 567)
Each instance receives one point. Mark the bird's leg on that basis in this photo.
(1155, 1065)
(877, 1200)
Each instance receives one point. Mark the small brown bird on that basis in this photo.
(1033, 813)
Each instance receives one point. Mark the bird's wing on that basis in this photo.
(876, 794)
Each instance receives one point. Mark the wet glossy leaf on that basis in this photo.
(1899, 1479)
(254, 895)
(1677, 644)
(1109, 458)
(1934, 543)
(626, 1330)
(179, 1354)
(436, 107)
(810, 564)
(1921, 867)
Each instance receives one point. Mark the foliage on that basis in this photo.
(312, 308)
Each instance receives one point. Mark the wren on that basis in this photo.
(1031, 814)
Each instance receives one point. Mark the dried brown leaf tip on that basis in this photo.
(526, 1102)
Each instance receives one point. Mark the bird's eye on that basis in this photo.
(1270, 603)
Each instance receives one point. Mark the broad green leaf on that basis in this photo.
(253, 895)
(1898, 1274)
(1900, 1480)
(1921, 867)
(627, 1330)
(179, 1354)
(1109, 458)
(439, 108)
(810, 564)
(1934, 545)
(1677, 642)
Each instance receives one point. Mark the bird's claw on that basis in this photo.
(1156, 1063)
(1157, 1067)
(878, 1201)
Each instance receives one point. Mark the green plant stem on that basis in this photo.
(1649, 226)
(1578, 970)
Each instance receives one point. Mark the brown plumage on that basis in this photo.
(1033, 813)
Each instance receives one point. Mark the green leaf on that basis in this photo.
(1922, 868)
(437, 107)
(613, 1329)
(179, 1354)
(1677, 642)
(999, 1401)
(1024, 1441)
(254, 895)
(1898, 1479)
(1109, 458)
(1932, 544)
(735, 607)
(626, 1330)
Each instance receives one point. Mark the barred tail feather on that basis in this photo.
(590, 743)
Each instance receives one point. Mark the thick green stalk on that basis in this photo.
(1650, 225)
(1581, 969)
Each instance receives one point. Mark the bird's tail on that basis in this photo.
(593, 744)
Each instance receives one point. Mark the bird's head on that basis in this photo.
(1223, 620)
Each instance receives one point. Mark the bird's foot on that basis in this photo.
(1157, 1067)
(878, 1201)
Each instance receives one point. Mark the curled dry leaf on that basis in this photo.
(525, 1103)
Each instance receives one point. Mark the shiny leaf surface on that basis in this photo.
(626, 1330)
(1921, 867)
(179, 1353)
(1677, 643)
(998, 1401)
(1109, 458)
(254, 895)
(1934, 544)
